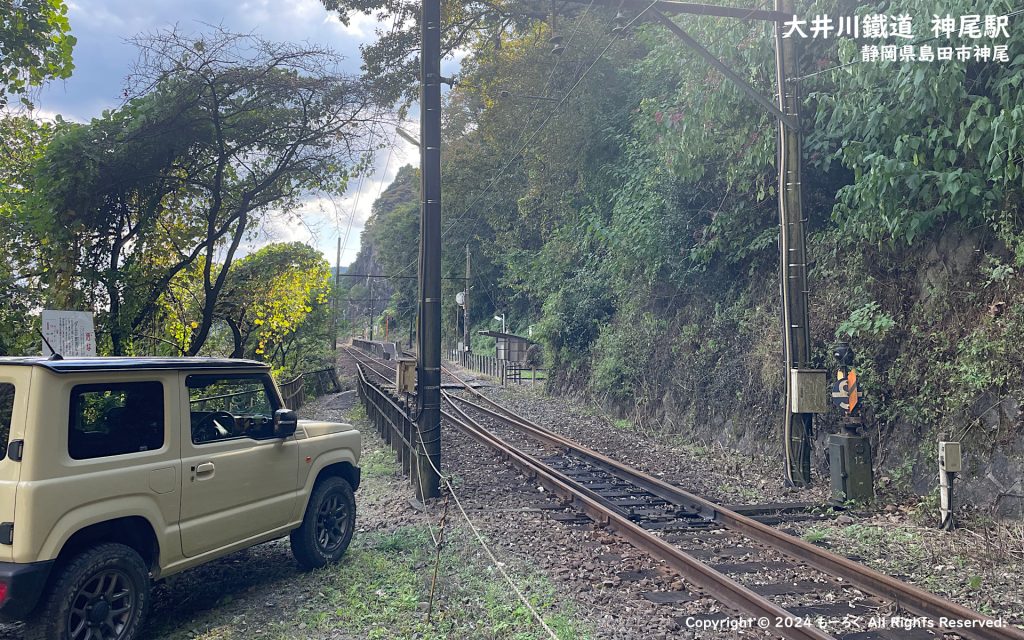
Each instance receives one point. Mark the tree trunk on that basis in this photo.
(236, 335)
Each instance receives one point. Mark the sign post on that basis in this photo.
(71, 333)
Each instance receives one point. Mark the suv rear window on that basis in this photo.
(6, 409)
(115, 419)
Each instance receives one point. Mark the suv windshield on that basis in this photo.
(6, 409)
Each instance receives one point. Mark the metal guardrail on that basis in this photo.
(382, 350)
(390, 416)
(311, 384)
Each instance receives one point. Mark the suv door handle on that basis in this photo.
(203, 471)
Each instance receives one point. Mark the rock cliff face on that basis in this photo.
(937, 351)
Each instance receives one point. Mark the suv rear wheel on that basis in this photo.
(327, 526)
(101, 594)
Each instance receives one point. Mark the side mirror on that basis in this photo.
(285, 423)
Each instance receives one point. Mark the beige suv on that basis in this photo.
(115, 472)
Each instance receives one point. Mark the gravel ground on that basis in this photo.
(719, 474)
(606, 578)
(978, 566)
(586, 582)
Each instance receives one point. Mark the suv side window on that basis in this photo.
(223, 407)
(6, 410)
(114, 419)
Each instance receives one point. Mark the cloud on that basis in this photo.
(103, 59)
(103, 55)
(360, 26)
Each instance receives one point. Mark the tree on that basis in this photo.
(268, 296)
(35, 45)
(22, 142)
(393, 59)
(220, 131)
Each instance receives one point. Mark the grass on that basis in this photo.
(623, 423)
(381, 591)
(379, 463)
(816, 535)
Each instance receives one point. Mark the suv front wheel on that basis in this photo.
(101, 594)
(327, 526)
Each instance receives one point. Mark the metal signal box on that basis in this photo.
(809, 390)
(950, 460)
(849, 457)
(405, 376)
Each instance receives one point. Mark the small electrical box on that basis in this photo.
(405, 376)
(849, 457)
(949, 457)
(809, 390)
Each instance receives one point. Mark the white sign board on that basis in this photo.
(71, 333)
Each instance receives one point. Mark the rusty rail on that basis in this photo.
(715, 583)
(908, 596)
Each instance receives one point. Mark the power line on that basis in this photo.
(537, 131)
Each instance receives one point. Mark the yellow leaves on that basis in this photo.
(258, 321)
(194, 324)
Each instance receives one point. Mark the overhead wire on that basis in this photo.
(359, 188)
(515, 156)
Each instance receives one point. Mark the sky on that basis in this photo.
(103, 58)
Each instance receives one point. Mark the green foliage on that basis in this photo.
(379, 591)
(927, 144)
(815, 535)
(268, 300)
(35, 46)
(868, 321)
(148, 205)
(623, 353)
(22, 141)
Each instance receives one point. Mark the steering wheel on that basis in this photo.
(210, 428)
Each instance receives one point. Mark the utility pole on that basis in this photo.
(792, 256)
(337, 295)
(792, 246)
(370, 283)
(429, 365)
(465, 306)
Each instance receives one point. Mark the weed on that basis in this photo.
(816, 535)
(357, 413)
(379, 463)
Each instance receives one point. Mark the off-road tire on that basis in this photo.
(327, 526)
(52, 619)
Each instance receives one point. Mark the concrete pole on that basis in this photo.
(792, 255)
(337, 296)
(429, 378)
(465, 306)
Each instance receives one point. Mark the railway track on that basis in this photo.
(780, 582)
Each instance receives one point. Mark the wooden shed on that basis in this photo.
(509, 347)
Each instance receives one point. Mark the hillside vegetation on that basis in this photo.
(636, 230)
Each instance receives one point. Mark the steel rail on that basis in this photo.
(908, 596)
(716, 584)
(912, 598)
